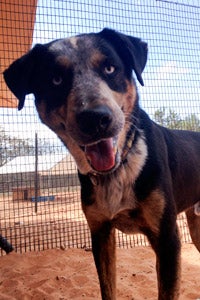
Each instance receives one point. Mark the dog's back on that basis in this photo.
(183, 149)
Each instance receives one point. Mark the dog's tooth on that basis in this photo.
(115, 145)
(114, 142)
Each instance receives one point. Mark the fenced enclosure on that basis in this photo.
(39, 188)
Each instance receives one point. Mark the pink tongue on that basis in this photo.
(101, 155)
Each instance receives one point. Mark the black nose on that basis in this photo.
(94, 121)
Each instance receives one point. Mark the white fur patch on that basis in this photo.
(116, 196)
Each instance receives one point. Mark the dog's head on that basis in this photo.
(84, 91)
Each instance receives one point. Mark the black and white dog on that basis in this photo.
(135, 175)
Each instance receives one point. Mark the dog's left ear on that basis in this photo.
(132, 51)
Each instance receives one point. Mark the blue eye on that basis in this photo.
(109, 69)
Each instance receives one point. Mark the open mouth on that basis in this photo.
(102, 155)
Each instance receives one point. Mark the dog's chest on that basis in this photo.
(115, 193)
(115, 201)
(114, 196)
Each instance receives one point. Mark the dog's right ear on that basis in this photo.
(20, 74)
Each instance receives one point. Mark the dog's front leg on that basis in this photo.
(103, 239)
(104, 252)
(167, 249)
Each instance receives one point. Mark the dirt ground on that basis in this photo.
(70, 274)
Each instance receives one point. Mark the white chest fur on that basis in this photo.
(114, 195)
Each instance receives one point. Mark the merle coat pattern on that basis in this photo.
(135, 175)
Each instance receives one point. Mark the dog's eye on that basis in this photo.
(57, 80)
(109, 69)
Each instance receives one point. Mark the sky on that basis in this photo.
(171, 28)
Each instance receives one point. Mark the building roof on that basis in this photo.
(24, 164)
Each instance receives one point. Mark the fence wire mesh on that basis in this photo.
(170, 96)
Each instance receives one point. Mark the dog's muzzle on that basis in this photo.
(99, 133)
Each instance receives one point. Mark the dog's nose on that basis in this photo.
(94, 121)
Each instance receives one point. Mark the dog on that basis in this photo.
(135, 175)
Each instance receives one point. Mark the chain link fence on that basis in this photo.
(40, 198)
